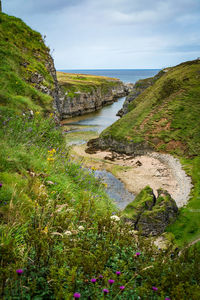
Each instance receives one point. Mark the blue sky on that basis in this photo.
(96, 34)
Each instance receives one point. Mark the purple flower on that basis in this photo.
(19, 271)
(118, 273)
(93, 280)
(105, 291)
(111, 281)
(77, 295)
(100, 276)
(1, 184)
(167, 298)
(154, 288)
(137, 253)
(122, 287)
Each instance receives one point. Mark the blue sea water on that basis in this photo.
(125, 75)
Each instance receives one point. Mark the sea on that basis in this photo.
(125, 75)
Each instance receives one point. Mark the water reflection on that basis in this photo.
(98, 120)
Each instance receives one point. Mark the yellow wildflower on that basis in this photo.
(45, 230)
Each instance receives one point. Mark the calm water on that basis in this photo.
(103, 118)
(126, 75)
(99, 120)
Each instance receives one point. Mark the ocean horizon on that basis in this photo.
(125, 75)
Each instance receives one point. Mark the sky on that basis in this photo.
(114, 34)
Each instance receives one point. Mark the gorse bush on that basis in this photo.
(60, 235)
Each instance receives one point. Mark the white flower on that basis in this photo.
(115, 218)
(67, 232)
(81, 228)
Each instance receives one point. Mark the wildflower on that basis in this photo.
(77, 295)
(137, 254)
(45, 230)
(51, 115)
(122, 287)
(37, 113)
(154, 288)
(50, 159)
(118, 273)
(67, 232)
(167, 298)
(19, 271)
(93, 280)
(81, 227)
(1, 184)
(100, 276)
(115, 218)
(111, 281)
(105, 291)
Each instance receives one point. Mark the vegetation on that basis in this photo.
(166, 115)
(60, 235)
(22, 55)
(74, 83)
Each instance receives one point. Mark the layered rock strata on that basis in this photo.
(85, 102)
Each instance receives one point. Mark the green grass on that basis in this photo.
(73, 83)
(22, 54)
(56, 220)
(166, 115)
(45, 198)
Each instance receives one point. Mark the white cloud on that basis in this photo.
(114, 33)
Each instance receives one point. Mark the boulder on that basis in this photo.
(151, 215)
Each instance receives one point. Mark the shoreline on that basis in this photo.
(154, 169)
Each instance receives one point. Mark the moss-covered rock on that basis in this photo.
(151, 215)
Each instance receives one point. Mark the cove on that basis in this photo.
(96, 122)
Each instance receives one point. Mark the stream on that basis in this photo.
(83, 128)
(77, 129)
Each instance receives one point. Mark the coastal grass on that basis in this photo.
(22, 54)
(60, 233)
(80, 83)
(58, 228)
(166, 116)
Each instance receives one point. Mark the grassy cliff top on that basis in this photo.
(165, 114)
(85, 83)
(22, 54)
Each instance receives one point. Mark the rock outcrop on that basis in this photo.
(149, 214)
(81, 103)
(136, 90)
(140, 148)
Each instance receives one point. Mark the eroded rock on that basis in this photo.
(150, 214)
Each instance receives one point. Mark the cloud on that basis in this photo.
(114, 33)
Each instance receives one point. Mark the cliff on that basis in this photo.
(81, 94)
(28, 76)
(136, 90)
(165, 116)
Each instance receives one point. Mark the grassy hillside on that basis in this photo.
(73, 83)
(166, 115)
(60, 235)
(24, 61)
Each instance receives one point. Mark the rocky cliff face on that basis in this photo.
(150, 214)
(28, 79)
(82, 102)
(136, 90)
